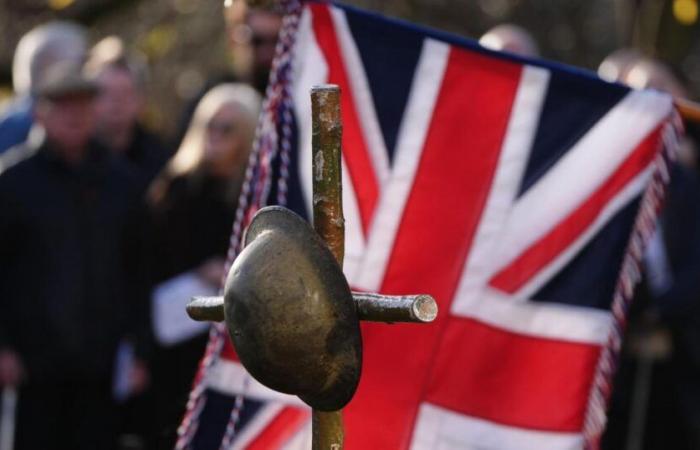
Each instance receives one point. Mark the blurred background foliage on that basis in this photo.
(184, 41)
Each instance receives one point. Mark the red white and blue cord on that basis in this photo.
(270, 142)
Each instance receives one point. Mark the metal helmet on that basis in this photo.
(290, 312)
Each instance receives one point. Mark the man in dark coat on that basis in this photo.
(64, 292)
(119, 108)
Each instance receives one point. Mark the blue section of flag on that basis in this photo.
(389, 55)
(573, 105)
(589, 279)
(215, 418)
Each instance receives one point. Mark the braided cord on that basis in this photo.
(277, 109)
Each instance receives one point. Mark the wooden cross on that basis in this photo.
(327, 426)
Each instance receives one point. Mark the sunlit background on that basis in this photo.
(184, 43)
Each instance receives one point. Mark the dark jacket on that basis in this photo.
(65, 236)
(189, 224)
(145, 156)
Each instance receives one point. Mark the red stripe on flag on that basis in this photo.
(434, 237)
(228, 352)
(355, 150)
(544, 251)
(512, 379)
(282, 428)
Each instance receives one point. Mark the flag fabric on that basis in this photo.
(519, 193)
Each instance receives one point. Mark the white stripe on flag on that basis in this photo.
(257, 424)
(517, 144)
(441, 429)
(537, 319)
(583, 169)
(411, 140)
(230, 378)
(362, 96)
(617, 203)
(310, 69)
(354, 236)
(301, 440)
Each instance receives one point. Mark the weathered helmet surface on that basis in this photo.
(290, 312)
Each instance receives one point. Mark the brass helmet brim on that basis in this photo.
(290, 312)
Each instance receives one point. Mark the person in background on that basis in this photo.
(65, 292)
(617, 64)
(118, 108)
(643, 73)
(192, 206)
(510, 38)
(252, 36)
(38, 50)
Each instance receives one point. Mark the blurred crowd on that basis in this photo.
(108, 229)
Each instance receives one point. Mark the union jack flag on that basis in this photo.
(518, 193)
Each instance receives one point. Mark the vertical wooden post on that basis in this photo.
(327, 427)
(327, 178)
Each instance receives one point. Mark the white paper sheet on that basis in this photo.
(171, 324)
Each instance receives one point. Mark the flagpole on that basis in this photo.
(327, 427)
(689, 110)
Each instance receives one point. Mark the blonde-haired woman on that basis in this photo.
(218, 138)
(192, 204)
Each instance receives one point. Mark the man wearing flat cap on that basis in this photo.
(65, 297)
